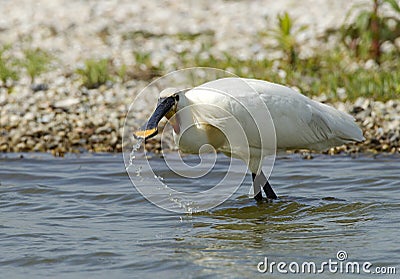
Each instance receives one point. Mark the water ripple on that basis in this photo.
(81, 216)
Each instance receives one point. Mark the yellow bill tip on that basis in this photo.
(145, 133)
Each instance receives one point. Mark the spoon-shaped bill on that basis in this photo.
(150, 129)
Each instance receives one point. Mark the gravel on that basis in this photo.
(58, 115)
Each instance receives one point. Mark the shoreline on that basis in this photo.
(92, 122)
(295, 155)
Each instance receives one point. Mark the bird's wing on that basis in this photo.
(299, 121)
(303, 123)
(236, 98)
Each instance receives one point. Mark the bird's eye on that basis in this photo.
(177, 98)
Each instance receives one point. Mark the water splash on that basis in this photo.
(187, 206)
(132, 156)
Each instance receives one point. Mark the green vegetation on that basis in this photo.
(7, 66)
(325, 73)
(144, 68)
(95, 73)
(371, 29)
(121, 72)
(363, 61)
(36, 62)
(337, 73)
(285, 34)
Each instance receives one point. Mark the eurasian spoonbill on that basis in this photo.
(198, 116)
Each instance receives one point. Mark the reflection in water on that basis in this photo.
(237, 236)
(287, 219)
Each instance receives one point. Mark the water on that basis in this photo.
(79, 217)
(132, 155)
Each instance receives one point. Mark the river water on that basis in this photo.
(81, 217)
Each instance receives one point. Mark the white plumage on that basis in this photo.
(303, 123)
(299, 121)
(267, 115)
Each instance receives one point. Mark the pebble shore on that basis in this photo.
(76, 120)
(58, 115)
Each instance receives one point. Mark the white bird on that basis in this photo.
(248, 119)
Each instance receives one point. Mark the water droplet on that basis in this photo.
(132, 156)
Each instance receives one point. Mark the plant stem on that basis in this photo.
(375, 43)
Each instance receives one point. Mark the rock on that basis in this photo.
(21, 147)
(39, 87)
(4, 147)
(29, 116)
(66, 103)
(40, 147)
(103, 130)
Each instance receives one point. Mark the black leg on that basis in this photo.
(269, 192)
(258, 196)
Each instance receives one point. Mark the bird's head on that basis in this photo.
(166, 106)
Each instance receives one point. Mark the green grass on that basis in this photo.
(36, 62)
(340, 73)
(285, 35)
(95, 73)
(371, 28)
(7, 66)
(323, 73)
(342, 68)
(144, 69)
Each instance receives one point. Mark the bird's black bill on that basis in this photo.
(149, 129)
